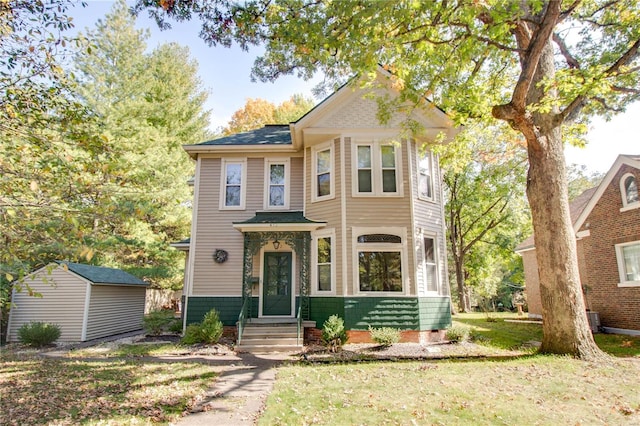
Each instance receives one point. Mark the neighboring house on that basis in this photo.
(87, 302)
(606, 222)
(333, 214)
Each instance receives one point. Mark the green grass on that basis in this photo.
(531, 390)
(36, 390)
(493, 331)
(502, 390)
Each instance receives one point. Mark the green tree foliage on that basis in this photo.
(485, 212)
(145, 105)
(258, 112)
(581, 179)
(541, 67)
(43, 140)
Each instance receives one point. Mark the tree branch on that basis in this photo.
(572, 110)
(572, 62)
(534, 51)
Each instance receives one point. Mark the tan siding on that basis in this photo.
(215, 226)
(297, 183)
(361, 112)
(428, 217)
(62, 303)
(114, 310)
(328, 210)
(215, 230)
(380, 212)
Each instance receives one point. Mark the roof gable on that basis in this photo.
(354, 108)
(580, 208)
(103, 275)
(630, 160)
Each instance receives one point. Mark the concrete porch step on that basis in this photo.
(257, 349)
(269, 337)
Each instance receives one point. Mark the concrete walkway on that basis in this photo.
(238, 395)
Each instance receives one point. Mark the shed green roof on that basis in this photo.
(277, 217)
(271, 134)
(103, 275)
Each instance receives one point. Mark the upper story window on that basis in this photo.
(323, 179)
(380, 258)
(628, 255)
(233, 184)
(376, 170)
(276, 184)
(425, 175)
(629, 189)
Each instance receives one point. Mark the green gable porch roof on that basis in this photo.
(103, 275)
(278, 221)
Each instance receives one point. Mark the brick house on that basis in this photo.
(606, 222)
(333, 214)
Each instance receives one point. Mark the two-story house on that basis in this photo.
(333, 214)
(606, 221)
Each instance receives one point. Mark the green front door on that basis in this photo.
(276, 286)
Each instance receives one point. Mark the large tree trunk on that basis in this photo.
(565, 325)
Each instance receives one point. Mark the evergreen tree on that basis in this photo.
(146, 106)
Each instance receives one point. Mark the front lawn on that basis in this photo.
(530, 390)
(493, 331)
(36, 390)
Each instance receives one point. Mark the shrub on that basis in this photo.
(38, 334)
(192, 335)
(209, 331)
(333, 333)
(458, 333)
(176, 326)
(211, 327)
(156, 322)
(385, 336)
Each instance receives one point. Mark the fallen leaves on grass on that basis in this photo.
(63, 392)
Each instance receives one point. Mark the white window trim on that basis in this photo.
(325, 233)
(385, 247)
(431, 162)
(436, 256)
(314, 172)
(623, 192)
(620, 258)
(267, 182)
(376, 168)
(223, 183)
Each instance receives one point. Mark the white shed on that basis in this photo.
(87, 302)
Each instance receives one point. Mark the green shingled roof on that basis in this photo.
(271, 134)
(102, 275)
(278, 217)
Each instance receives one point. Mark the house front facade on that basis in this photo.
(607, 226)
(333, 214)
